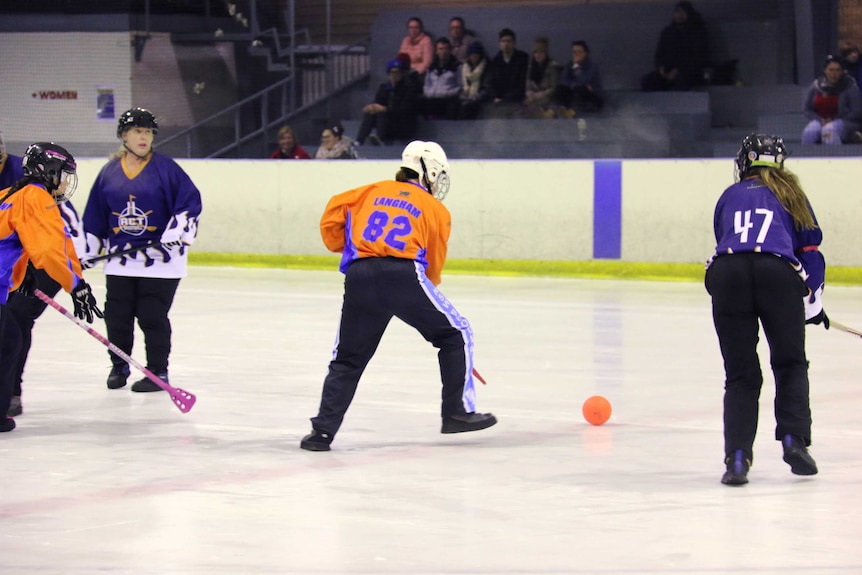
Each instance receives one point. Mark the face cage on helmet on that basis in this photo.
(71, 181)
(738, 170)
(440, 188)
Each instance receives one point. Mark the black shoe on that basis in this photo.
(7, 424)
(316, 441)
(144, 385)
(15, 408)
(467, 422)
(737, 469)
(118, 376)
(796, 455)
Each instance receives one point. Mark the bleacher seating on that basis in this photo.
(788, 124)
(707, 122)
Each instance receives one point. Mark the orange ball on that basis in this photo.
(597, 410)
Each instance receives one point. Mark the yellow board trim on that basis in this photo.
(595, 269)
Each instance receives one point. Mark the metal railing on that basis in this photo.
(322, 73)
(314, 73)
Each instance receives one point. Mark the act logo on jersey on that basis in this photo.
(132, 220)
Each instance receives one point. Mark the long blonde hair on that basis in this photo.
(786, 187)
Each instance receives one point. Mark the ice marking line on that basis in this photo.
(315, 465)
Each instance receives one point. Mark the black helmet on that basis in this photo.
(137, 117)
(51, 165)
(760, 150)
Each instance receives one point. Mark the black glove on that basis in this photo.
(85, 302)
(28, 284)
(818, 319)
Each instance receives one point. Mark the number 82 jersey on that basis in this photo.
(388, 219)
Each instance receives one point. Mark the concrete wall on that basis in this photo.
(50, 83)
(532, 210)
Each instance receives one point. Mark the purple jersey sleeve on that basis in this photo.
(749, 218)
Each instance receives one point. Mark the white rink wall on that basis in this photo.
(506, 209)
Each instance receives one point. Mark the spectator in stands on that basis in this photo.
(543, 75)
(417, 45)
(460, 37)
(288, 147)
(580, 87)
(11, 167)
(414, 80)
(472, 82)
(850, 58)
(393, 112)
(506, 78)
(442, 83)
(682, 52)
(334, 145)
(833, 107)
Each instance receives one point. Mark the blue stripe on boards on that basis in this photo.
(607, 209)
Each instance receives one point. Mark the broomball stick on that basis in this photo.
(124, 252)
(844, 328)
(479, 377)
(181, 398)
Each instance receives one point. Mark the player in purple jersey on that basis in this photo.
(141, 199)
(767, 267)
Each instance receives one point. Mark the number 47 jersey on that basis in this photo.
(749, 218)
(388, 219)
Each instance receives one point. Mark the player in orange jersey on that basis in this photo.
(32, 230)
(392, 236)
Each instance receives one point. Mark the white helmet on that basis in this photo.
(429, 161)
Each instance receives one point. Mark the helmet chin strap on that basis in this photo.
(144, 157)
(424, 177)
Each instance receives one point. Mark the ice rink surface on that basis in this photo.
(98, 481)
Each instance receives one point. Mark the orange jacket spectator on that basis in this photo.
(417, 44)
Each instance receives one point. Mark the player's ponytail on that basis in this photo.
(786, 187)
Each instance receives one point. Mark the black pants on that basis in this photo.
(389, 127)
(10, 345)
(375, 290)
(440, 108)
(746, 288)
(580, 99)
(25, 309)
(149, 300)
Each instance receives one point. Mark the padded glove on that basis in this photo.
(819, 318)
(85, 302)
(813, 303)
(87, 263)
(172, 238)
(28, 284)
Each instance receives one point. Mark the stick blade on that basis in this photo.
(183, 399)
(479, 377)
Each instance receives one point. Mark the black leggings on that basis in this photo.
(149, 300)
(25, 309)
(375, 291)
(746, 288)
(10, 344)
